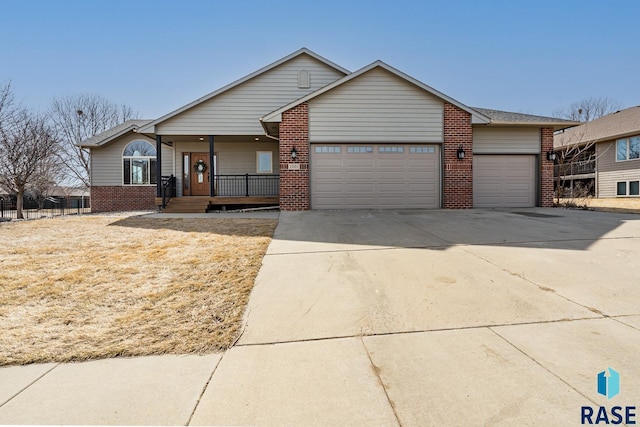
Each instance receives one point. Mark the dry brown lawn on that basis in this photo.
(79, 288)
(618, 204)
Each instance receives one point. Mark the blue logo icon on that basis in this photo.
(609, 385)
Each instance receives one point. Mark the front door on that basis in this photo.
(200, 174)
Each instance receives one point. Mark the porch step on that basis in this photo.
(187, 205)
(199, 204)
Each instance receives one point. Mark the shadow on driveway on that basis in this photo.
(441, 229)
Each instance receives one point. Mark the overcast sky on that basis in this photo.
(522, 56)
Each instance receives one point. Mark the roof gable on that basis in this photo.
(114, 133)
(150, 127)
(615, 125)
(276, 116)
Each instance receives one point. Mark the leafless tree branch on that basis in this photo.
(27, 149)
(78, 118)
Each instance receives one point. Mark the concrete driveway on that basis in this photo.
(479, 317)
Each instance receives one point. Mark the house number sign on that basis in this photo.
(293, 166)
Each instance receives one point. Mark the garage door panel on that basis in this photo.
(390, 176)
(356, 160)
(358, 187)
(504, 180)
(374, 179)
(334, 187)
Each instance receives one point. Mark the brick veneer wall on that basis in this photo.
(546, 168)
(120, 198)
(294, 184)
(458, 174)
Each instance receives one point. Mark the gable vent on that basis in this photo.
(303, 79)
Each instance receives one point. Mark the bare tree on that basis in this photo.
(78, 118)
(588, 109)
(26, 144)
(45, 179)
(575, 154)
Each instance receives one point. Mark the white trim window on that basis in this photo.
(264, 162)
(139, 163)
(628, 149)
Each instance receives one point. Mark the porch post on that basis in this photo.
(212, 172)
(158, 166)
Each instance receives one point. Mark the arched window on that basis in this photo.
(139, 163)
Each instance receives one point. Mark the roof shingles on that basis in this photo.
(109, 134)
(621, 123)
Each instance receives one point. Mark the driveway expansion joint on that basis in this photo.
(422, 331)
(204, 389)
(543, 367)
(376, 372)
(539, 286)
(29, 385)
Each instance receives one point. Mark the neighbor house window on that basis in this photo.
(139, 163)
(264, 161)
(628, 148)
(633, 188)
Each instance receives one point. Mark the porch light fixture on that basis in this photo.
(460, 153)
(294, 153)
(551, 155)
(201, 139)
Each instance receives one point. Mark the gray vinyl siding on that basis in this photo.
(610, 172)
(376, 107)
(237, 110)
(106, 162)
(234, 158)
(506, 140)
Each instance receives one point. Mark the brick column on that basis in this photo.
(458, 174)
(294, 184)
(546, 168)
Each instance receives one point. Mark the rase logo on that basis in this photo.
(609, 386)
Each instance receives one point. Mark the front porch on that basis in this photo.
(217, 173)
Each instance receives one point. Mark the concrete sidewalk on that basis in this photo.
(391, 318)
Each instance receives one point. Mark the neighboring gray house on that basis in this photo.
(305, 133)
(604, 153)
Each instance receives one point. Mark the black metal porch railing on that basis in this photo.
(575, 168)
(247, 185)
(168, 189)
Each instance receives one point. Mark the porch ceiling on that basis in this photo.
(218, 138)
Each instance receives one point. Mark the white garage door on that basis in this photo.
(504, 181)
(375, 176)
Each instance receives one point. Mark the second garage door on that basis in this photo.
(375, 176)
(504, 181)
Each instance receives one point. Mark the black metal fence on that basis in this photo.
(45, 208)
(247, 185)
